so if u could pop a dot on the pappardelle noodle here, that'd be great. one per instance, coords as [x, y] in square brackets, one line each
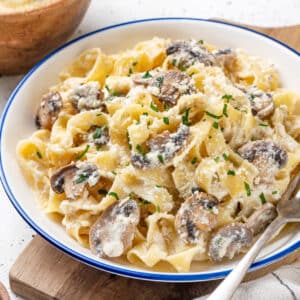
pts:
[173, 151]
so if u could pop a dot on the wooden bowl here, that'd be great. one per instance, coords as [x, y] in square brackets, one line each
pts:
[28, 36]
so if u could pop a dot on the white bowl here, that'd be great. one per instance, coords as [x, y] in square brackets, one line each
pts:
[18, 123]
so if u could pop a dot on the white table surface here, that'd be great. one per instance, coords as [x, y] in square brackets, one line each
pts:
[15, 234]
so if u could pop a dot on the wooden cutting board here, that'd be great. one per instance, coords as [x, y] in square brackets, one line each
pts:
[42, 272]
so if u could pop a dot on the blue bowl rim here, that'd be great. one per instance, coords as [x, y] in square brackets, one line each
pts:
[120, 270]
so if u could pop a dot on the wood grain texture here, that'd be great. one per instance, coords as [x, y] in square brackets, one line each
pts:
[42, 272]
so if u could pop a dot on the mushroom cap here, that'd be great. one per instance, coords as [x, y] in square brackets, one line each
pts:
[264, 154]
[226, 58]
[164, 145]
[47, 113]
[262, 104]
[261, 218]
[197, 215]
[72, 179]
[113, 232]
[168, 86]
[187, 53]
[228, 241]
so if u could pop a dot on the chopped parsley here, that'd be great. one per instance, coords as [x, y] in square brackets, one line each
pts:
[98, 115]
[139, 148]
[192, 73]
[82, 154]
[166, 107]
[113, 172]
[158, 208]
[225, 156]
[194, 160]
[185, 117]
[217, 159]
[262, 198]
[128, 140]
[159, 186]
[225, 110]
[183, 69]
[134, 63]
[102, 191]
[227, 97]
[231, 172]
[81, 178]
[213, 115]
[160, 81]
[145, 113]
[166, 120]
[153, 107]
[174, 62]
[98, 132]
[160, 158]
[215, 125]
[129, 72]
[107, 88]
[147, 75]
[98, 147]
[247, 188]
[200, 42]
[113, 194]
[38, 154]
[263, 125]
[142, 202]
[274, 192]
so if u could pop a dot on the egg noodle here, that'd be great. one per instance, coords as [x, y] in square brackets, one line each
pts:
[162, 125]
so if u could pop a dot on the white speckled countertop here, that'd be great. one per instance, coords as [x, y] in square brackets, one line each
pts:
[15, 234]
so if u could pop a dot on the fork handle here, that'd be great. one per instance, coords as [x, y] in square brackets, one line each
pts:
[228, 286]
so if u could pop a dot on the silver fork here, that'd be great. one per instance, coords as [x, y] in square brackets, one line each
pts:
[288, 209]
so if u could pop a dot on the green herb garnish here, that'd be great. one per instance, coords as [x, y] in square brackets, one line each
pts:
[38, 154]
[81, 178]
[145, 113]
[147, 75]
[227, 97]
[200, 42]
[174, 62]
[129, 72]
[166, 120]
[225, 110]
[128, 140]
[247, 188]
[231, 172]
[82, 154]
[160, 158]
[217, 159]
[213, 115]
[185, 117]
[225, 156]
[153, 107]
[215, 125]
[139, 148]
[113, 194]
[160, 81]
[158, 208]
[274, 192]
[263, 125]
[194, 160]
[262, 198]
[134, 63]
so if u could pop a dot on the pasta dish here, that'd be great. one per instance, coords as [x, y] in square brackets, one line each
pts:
[172, 151]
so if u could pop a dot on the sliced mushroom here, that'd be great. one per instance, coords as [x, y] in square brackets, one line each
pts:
[168, 86]
[163, 148]
[51, 105]
[266, 155]
[72, 179]
[196, 216]
[261, 218]
[229, 241]
[226, 58]
[87, 96]
[113, 232]
[262, 104]
[185, 53]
